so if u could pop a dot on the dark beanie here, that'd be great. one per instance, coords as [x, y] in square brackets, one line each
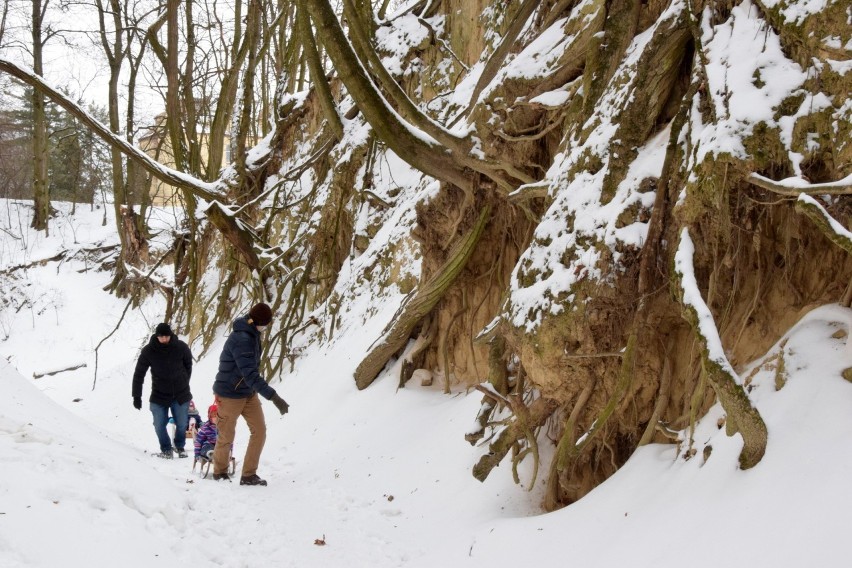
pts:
[163, 330]
[261, 314]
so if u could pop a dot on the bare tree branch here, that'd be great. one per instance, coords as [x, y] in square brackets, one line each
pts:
[796, 186]
[420, 151]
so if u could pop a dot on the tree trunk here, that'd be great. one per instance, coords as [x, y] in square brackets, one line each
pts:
[320, 81]
[41, 185]
[174, 116]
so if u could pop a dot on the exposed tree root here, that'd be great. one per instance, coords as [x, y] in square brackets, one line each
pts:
[742, 416]
[499, 381]
[443, 343]
[537, 413]
[661, 403]
[491, 402]
[414, 359]
[566, 441]
[522, 414]
[568, 453]
[234, 231]
[420, 303]
[828, 225]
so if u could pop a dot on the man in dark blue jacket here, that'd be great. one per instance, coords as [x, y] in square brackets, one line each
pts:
[170, 361]
[237, 385]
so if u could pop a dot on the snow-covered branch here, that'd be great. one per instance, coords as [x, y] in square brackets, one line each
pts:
[218, 211]
[795, 186]
[204, 190]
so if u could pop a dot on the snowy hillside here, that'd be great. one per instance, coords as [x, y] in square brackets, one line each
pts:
[382, 476]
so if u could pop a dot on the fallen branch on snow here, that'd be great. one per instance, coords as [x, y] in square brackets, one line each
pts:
[37, 375]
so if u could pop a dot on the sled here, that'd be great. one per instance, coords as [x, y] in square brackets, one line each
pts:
[204, 466]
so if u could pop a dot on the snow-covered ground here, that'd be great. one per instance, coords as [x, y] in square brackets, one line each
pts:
[382, 476]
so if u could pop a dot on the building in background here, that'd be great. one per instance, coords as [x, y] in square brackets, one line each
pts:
[157, 144]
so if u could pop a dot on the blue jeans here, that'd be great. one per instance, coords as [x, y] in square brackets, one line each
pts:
[180, 412]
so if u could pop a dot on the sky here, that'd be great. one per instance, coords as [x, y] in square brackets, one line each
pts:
[381, 476]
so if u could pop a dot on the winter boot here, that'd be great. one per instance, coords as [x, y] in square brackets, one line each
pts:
[252, 480]
[165, 454]
[182, 454]
[221, 477]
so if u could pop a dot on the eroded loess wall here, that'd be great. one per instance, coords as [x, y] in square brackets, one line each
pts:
[621, 123]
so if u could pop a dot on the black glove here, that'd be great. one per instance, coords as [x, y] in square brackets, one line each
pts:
[280, 403]
[137, 402]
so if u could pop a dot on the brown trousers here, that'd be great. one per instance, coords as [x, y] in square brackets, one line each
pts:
[229, 410]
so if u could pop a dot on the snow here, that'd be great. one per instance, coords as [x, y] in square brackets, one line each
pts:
[798, 11]
[840, 67]
[383, 475]
[796, 182]
[810, 104]
[566, 245]
[748, 78]
[580, 200]
[398, 39]
[552, 99]
[543, 54]
[749, 84]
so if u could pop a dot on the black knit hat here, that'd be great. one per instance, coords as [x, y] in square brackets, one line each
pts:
[163, 330]
[260, 314]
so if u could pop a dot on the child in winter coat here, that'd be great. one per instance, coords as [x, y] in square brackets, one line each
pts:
[205, 439]
[195, 420]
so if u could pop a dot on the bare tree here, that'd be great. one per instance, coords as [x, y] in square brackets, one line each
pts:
[116, 35]
[3, 17]
[41, 184]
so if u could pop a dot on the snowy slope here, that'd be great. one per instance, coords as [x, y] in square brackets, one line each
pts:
[383, 475]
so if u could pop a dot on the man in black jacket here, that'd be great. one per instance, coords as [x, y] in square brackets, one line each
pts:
[170, 361]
